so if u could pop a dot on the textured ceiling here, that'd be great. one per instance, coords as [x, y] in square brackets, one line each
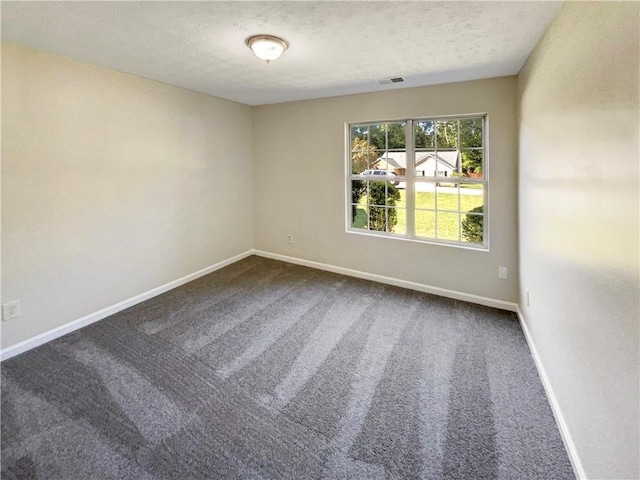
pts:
[336, 47]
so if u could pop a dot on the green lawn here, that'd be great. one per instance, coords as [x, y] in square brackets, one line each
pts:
[448, 222]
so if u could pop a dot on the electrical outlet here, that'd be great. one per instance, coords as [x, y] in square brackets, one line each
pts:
[11, 310]
[289, 238]
[503, 273]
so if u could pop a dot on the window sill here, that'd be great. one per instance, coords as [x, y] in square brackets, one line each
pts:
[439, 243]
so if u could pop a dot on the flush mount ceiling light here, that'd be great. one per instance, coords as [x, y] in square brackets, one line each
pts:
[266, 47]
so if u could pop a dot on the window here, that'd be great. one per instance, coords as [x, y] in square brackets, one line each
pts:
[419, 179]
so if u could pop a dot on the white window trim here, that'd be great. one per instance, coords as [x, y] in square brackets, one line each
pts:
[411, 179]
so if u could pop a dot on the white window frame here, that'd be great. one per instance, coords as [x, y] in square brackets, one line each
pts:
[410, 178]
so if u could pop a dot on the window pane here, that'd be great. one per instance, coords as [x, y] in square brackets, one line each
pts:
[447, 163]
[396, 135]
[448, 226]
[471, 132]
[402, 194]
[384, 161]
[377, 137]
[393, 194]
[472, 165]
[425, 196]
[447, 133]
[359, 137]
[359, 216]
[423, 134]
[398, 166]
[359, 192]
[377, 219]
[472, 228]
[447, 198]
[397, 220]
[378, 161]
[426, 164]
[425, 224]
[376, 193]
[471, 197]
[362, 161]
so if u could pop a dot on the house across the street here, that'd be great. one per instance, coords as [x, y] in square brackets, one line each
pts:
[428, 164]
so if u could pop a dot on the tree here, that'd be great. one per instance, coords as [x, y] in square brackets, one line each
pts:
[447, 134]
[472, 225]
[471, 161]
[362, 158]
[395, 135]
[358, 189]
[378, 196]
[471, 132]
[387, 136]
[471, 137]
[423, 134]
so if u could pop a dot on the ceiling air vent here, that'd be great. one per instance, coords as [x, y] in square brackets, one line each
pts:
[387, 81]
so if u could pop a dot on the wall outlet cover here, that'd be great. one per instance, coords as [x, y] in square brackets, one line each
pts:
[503, 273]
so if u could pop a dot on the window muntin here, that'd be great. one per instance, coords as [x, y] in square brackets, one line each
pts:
[431, 188]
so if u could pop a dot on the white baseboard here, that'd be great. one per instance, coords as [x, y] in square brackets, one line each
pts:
[420, 287]
[105, 312]
[574, 458]
[45, 337]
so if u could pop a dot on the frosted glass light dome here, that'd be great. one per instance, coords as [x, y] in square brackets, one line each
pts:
[267, 47]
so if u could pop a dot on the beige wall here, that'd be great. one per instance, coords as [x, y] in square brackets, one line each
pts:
[112, 185]
[299, 189]
[579, 225]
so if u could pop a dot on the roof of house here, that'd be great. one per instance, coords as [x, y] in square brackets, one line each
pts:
[399, 159]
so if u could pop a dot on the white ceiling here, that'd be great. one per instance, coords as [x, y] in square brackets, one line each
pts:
[336, 48]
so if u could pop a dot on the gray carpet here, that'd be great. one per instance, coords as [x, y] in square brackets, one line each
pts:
[269, 370]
